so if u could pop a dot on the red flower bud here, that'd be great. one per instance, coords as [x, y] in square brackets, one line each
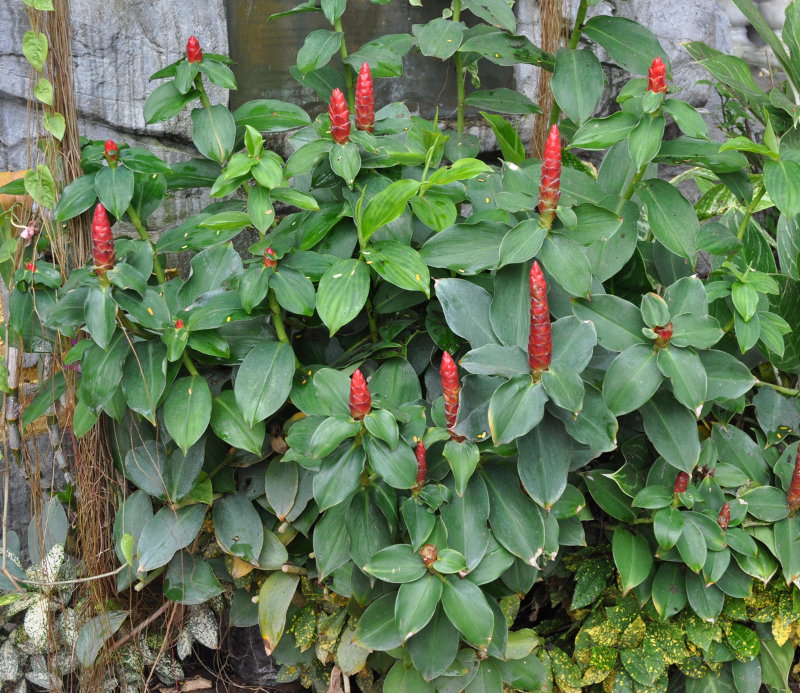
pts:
[724, 517]
[111, 150]
[193, 52]
[360, 399]
[540, 344]
[664, 332]
[448, 372]
[681, 482]
[657, 76]
[429, 554]
[30, 267]
[102, 242]
[422, 464]
[179, 325]
[549, 188]
[365, 100]
[340, 117]
[269, 258]
[793, 496]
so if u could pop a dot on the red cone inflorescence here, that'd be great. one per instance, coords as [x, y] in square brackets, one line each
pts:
[451, 387]
[429, 554]
[269, 258]
[540, 344]
[111, 150]
[793, 496]
[550, 186]
[422, 464]
[365, 100]
[179, 324]
[102, 241]
[193, 52]
[681, 482]
[657, 76]
[360, 399]
[724, 517]
[340, 117]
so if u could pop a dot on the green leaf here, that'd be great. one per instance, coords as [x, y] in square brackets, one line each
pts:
[435, 210]
[501, 100]
[35, 48]
[686, 373]
[100, 312]
[145, 377]
[228, 423]
[270, 115]
[686, 117]
[692, 547]
[632, 556]
[317, 50]
[342, 292]
[463, 459]
[396, 564]
[516, 522]
[43, 90]
[166, 532]
[509, 141]
[293, 290]
[386, 206]
[95, 632]
[672, 218]
[440, 38]
[741, 451]
[466, 308]
[165, 102]
[399, 265]
[264, 380]
[345, 161]
[673, 431]
[463, 169]
[494, 12]
[465, 519]
[543, 464]
[667, 526]
[218, 74]
[274, 600]
[780, 179]
[706, 600]
[669, 590]
[55, 124]
[76, 198]
[397, 467]
[331, 541]
[617, 322]
[577, 83]
[787, 548]
[416, 604]
[644, 142]
[467, 608]
[115, 189]
[515, 408]
[434, 649]
[608, 495]
[566, 262]
[190, 580]
[187, 410]
[631, 45]
[632, 378]
[376, 628]
[238, 528]
[522, 242]
[601, 133]
[465, 248]
[39, 184]
[214, 132]
[49, 391]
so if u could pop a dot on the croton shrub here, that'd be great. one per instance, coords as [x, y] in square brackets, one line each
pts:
[455, 423]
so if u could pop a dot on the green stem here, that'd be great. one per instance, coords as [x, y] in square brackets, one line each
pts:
[789, 391]
[574, 39]
[628, 194]
[348, 72]
[460, 75]
[198, 84]
[140, 228]
[751, 208]
[373, 325]
[188, 363]
[277, 317]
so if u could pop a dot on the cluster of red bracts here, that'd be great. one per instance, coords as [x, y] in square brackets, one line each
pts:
[111, 151]
[724, 517]
[540, 343]
[360, 399]
[657, 76]
[422, 464]
[451, 387]
[681, 483]
[339, 113]
[793, 495]
[193, 52]
[269, 258]
[550, 185]
[102, 242]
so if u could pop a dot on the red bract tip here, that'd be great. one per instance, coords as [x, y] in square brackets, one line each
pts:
[540, 344]
[179, 324]
[422, 464]
[102, 241]
[193, 52]
[657, 76]
[30, 267]
[429, 554]
[793, 495]
[365, 100]
[724, 517]
[681, 483]
[451, 387]
[111, 150]
[360, 399]
[340, 117]
[269, 258]
[550, 185]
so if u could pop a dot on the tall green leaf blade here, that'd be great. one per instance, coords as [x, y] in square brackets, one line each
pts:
[264, 380]
[187, 410]
[274, 600]
[342, 293]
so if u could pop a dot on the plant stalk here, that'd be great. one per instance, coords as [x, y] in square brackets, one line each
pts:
[348, 72]
[788, 391]
[751, 208]
[460, 75]
[188, 363]
[277, 317]
[142, 231]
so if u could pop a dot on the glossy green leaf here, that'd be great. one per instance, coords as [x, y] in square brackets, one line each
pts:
[632, 379]
[467, 608]
[672, 218]
[632, 556]
[274, 600]
[515, 408]
[264, 380]
[416, 604]
[577, 83]
[187, 410]
[114, 187]
[342, 292]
